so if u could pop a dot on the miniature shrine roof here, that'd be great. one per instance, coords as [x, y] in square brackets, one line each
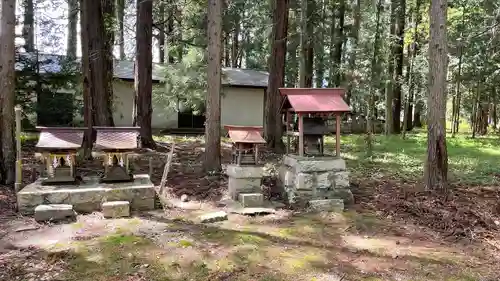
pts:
[64, 138]
[310, 100]
[245, 134]
[116, 138]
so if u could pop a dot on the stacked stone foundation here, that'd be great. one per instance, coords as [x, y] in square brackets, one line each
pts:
[312, 178]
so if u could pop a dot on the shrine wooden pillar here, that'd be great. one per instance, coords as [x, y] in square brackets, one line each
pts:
[301, 134]
[337, 135]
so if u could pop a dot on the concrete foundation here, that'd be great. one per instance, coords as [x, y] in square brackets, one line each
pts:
[88, 195]
[312, 178]
[244, 179]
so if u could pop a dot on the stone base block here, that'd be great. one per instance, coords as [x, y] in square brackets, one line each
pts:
[116, 209]
[326, 205]
[54, 212]
[244, 172]
[250, 200]
[242, 185]
[313, 178]
[89, 195]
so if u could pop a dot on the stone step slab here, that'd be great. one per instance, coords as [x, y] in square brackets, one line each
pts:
[213, 217]
[116, 209]
[54, 212]
[326, 205]
[251, 200]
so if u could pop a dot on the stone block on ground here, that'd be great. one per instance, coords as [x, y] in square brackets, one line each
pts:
[116, 209]
[213, 217]
[326, 205]
[253, 211]
[243, 185]
[251, 199]
[54, 212]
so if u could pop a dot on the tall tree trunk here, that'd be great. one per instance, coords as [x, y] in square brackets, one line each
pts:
[355, 40]
[398, 72]
[319, 48]
[72, 32]
[87, 98]
[143, 71]
[436, 166]
[307, 49]
[212, 161]
[226, 49]
[235, 41]
[457, 98]
[339, 41]
[100, 40]
[7, 89]
[412, 53]
[389, 90]
[276, 76]
[120, 17]
[374, 80]
[170, 32]
[29, 26]
[293, 44]
[161, 32]
[331, 50]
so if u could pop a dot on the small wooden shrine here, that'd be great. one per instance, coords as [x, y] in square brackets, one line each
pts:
[58, 147]
[246, 141]
[311, 108]
[114, 145]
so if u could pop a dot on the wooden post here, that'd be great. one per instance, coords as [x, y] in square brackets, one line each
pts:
[287, 132]
[256, 150]
[19, 167]
[301, 134]
[337, 136]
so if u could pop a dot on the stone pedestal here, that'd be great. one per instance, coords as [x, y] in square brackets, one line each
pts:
[244, 179]
[312, 178]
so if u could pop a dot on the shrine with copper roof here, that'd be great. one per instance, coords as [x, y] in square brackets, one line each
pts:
[308, 173]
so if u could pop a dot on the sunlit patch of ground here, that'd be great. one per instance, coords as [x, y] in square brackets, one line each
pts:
[298, 247]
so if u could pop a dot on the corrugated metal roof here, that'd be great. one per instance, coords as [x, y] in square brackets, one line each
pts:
[316, 99]
[124, 69]
[245, 134]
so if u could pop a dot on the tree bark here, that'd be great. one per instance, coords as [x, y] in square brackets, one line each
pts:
[235, 41]
[29, 26]
[293, 44]
[374, 80]
[339, 41]
[120, 15]
[161, 32]
[319, 49]
[436, 166]
[100, 40]
[72, 32]
[389, 90]
[87, 99]
[212, 161]
[307, 49]
[354, 51]
[143, 71]
[7, 89]
[273, 124]
[398, 72]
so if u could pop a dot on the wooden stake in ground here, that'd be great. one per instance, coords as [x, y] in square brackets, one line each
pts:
[436, 166]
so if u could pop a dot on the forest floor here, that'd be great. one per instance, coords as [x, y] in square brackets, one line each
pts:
[394, 231]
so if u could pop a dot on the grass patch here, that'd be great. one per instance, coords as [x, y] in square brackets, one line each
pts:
[471, 161]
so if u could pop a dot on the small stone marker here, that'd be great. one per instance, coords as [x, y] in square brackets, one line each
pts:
[251, 199]
[253, 211]
[327, 205]
[54, 212]
[116, 209]
[213, 217]
[184, 198]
